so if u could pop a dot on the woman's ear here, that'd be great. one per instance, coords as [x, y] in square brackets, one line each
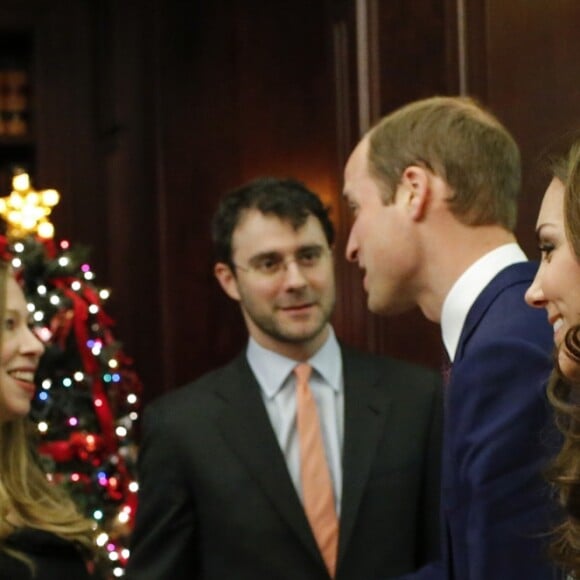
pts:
[227, 280]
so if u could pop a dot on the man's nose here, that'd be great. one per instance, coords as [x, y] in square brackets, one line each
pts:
[293, 274]
[351, 248]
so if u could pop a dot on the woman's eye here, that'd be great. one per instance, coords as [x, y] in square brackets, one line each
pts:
[546, 249]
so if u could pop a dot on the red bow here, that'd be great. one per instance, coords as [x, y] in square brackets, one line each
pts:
[5, 252]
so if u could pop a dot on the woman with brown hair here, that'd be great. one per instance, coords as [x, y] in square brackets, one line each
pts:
[42, 536]
[557, 289]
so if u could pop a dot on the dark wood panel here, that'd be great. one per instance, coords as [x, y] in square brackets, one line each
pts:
[67, 151]
[150, 110]
[417, 52]
[91, 144]
[124, 128]
[529, 68]
[197, 160]
[64, 151]
[410, 53]
[244, 91]
[413, 51]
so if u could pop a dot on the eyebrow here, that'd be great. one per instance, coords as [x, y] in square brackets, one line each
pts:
[272, 253]
[263, 255]
[541, 227]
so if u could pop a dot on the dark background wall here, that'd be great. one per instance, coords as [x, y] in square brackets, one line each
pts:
[146, 111]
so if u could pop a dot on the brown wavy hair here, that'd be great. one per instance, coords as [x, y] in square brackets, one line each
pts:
[564, 392]
[27, 498]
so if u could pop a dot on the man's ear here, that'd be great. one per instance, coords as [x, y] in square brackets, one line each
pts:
[227, 280]
[416, 183]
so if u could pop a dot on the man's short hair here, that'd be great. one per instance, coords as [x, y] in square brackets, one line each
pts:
[455, 138]
[288, 199]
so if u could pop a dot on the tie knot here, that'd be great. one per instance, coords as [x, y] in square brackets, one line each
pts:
[303, 372]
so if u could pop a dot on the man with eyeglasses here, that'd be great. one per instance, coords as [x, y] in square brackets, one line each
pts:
[302, 459]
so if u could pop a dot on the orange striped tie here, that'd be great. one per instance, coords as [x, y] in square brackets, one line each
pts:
[317, 487]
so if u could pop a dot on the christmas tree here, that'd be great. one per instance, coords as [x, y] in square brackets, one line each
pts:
[88, 392]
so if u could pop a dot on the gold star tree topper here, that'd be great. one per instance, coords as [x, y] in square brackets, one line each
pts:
[27, 210]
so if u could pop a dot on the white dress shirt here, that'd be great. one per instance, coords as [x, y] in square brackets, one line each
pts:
[276, 378]
[469, 286]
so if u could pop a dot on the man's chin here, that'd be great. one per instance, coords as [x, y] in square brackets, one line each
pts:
[385, 307]
[300, 336]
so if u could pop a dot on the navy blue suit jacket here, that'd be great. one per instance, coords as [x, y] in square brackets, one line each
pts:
[495, 503]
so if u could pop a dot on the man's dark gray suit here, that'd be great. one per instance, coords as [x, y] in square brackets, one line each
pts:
[217, 502]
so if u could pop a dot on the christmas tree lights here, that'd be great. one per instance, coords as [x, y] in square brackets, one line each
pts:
[88, 394]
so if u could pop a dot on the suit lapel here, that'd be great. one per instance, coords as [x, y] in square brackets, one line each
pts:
[365, 412]
[513, 274]
[246, 426]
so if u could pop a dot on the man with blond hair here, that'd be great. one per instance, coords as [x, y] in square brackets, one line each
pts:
[433, 187]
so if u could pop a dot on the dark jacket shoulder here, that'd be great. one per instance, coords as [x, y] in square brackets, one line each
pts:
[52, 557]
[388, 370]
[206, 391]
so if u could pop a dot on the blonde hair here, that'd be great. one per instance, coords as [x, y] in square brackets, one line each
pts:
[27, 498]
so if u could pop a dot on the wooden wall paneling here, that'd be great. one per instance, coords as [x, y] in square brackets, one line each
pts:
[348, 313]
[62, 92]
[16, 33]
[527, 70]
[354, 324]
[406, 54]
[67, 148]
[125, 129]
[416, 54]
[243, 91]
[198, 159]
[286, 104]
[100, 165]
[286, 120]
[472, 23]
[537, 88]
[413, 51]
[291, 130]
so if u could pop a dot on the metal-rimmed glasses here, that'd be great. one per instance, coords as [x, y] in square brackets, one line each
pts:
[274, 264]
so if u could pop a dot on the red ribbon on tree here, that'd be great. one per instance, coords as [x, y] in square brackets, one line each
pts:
[5, 252]
[90, 364]
[79, 445]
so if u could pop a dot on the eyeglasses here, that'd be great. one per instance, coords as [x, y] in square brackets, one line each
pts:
[273, 264]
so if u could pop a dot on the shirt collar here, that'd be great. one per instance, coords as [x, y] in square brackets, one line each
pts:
[469, 286]
[272, 369]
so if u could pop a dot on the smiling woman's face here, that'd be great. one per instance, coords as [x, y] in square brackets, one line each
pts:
[19, 355]
[556, 286]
